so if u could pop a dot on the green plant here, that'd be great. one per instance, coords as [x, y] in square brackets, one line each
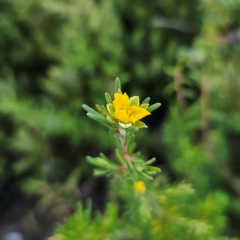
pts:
[143, 208]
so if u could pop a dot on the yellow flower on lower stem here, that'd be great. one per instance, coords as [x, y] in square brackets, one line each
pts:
[126, 111]
[140, 187]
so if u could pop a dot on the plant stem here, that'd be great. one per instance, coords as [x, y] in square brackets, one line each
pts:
[124, 145]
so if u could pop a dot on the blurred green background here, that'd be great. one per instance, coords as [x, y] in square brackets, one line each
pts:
[57, 55]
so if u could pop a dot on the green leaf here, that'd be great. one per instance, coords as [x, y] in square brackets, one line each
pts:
[140, 124]
[112, 119]
[144, 106]
[137, 160]
[119, 157]
[95, 161]
[134, 101]
[149, 161]
[146, 100]
[108, 98]
[110, 108]
[102, 110]
[153, 107]
[97, 117]
[100, 172]
[129, 138]
[102, 155]
[131, 147]
[108, 160]
[117, 85]
[105, 112]
[130, 169]
[100, 162]
[145, 175]
[152, 170]
[131, 130]
[116, 139]
[89, 109]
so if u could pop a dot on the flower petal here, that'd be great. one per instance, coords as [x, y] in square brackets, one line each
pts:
[136, 113]
[122, 116]
[121, 101]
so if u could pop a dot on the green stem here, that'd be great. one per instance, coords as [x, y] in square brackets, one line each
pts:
[124, 145]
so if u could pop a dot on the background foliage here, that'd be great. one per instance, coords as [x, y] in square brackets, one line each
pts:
[55, 56]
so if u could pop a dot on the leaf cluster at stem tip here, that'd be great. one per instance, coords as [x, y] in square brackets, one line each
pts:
[122, 117]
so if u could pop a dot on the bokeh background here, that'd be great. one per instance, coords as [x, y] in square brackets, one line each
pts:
[57, 55]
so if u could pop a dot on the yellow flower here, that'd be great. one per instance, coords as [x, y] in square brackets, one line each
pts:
[140, 186]
[127, 112]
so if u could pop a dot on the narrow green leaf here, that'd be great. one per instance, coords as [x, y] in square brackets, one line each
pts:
[137, 160]
[145, 175]
[100, 172]
[153, 107]
[116, 139]
[95, 161]
[89, 109]
[146, 100]
[99, 109]
[132, 130]
[140, 124]
[112, 119]
[131, 148]
[151, 168]
[150, 161]
[100, 162]
[129, 138]
[102, 155]
[104, 111]
[108, 98]
[119, 157]
[117, 85]
[99, 118]
[108, 160]
[130, 169]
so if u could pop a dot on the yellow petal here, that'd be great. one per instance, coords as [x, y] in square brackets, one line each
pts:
[140, 186]
[122, 116]
[136, 113]
[121, 101]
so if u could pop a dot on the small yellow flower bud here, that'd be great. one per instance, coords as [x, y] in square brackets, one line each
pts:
[140, 186]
